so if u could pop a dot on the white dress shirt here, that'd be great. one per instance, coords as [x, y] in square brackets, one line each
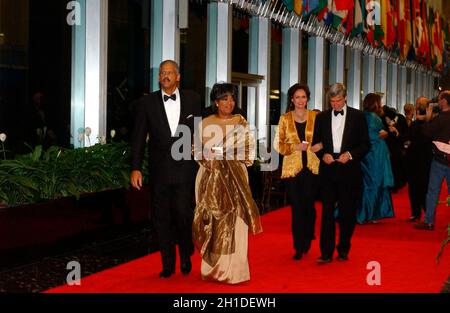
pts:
[337, 128]
[173, 109]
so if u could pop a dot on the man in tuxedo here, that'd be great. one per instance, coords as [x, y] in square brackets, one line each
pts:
[344, 136]
[397, 127]
[167, 116]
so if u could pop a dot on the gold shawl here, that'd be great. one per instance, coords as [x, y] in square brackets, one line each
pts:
[224, 194]
[286, 137]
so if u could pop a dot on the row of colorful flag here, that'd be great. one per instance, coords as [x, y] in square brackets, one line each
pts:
[408, 28]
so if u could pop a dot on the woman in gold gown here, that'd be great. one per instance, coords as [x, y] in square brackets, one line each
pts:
[296, 140]
[225, 210]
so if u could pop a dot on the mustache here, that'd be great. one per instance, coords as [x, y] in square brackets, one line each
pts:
[166, 80]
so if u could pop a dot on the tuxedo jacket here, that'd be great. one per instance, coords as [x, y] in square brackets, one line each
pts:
[151, 119]
[355, 140]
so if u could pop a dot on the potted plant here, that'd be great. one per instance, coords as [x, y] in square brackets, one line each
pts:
[446, 288]
[59, 172]
[49, 195]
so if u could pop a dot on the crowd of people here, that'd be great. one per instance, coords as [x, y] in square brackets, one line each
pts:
[349, 159]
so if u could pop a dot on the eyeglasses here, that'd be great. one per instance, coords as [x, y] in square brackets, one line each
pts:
[168, 73]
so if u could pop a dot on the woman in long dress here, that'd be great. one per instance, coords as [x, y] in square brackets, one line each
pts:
[225, 210]
[376, 167]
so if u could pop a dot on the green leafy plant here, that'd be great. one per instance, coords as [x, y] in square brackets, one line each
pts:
[446, 288]
[444, 243]
[58, 172]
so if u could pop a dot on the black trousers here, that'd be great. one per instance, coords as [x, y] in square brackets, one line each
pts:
[338, 191]
[301, 192]
[398, 167]
[417, 191]
[172, 214]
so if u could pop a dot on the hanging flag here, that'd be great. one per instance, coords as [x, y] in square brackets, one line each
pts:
[388, 23]
[439, 36]
[328, 13]
[322, 9]
[289, 4]
[437, 41]
[385, 16]
[423, 48]
[347, 24]
[358, 21]
[431, 30]
[395, 19]
[408, 28]
[298, 7]
[445, 56]
[428, 43]
[311, 6]
[344, 4]
[402, 26]
[339, 17]
[416, 21]
[392, 24]
[369, 22]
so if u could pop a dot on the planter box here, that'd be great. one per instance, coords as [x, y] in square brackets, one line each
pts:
[54, 221]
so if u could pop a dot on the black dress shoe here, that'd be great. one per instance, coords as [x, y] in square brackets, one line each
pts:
[413, 218]
[424, 226]
[323, 260]
[186, 267]
[166, 273]
[297, 256]
[342, 257]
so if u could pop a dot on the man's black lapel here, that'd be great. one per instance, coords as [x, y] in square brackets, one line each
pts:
[347, 128]
[183, 108]
[329, 130]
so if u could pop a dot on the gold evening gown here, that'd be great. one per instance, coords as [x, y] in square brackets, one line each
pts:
[225, 210]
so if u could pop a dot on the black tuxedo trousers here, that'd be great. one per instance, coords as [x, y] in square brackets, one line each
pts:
[341, 184]
[340, 199]
[172, 214]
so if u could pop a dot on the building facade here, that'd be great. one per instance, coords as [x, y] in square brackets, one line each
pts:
[70, 65]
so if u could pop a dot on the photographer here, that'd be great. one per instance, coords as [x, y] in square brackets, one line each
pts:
[437, 129]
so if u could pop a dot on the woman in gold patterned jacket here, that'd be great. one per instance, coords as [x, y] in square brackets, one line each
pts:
[225, 210]
[295, 140]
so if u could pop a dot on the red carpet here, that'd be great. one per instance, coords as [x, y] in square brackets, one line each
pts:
[407, 259]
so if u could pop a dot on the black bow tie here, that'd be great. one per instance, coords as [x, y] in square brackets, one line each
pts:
[173, 97]
[336, 113]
